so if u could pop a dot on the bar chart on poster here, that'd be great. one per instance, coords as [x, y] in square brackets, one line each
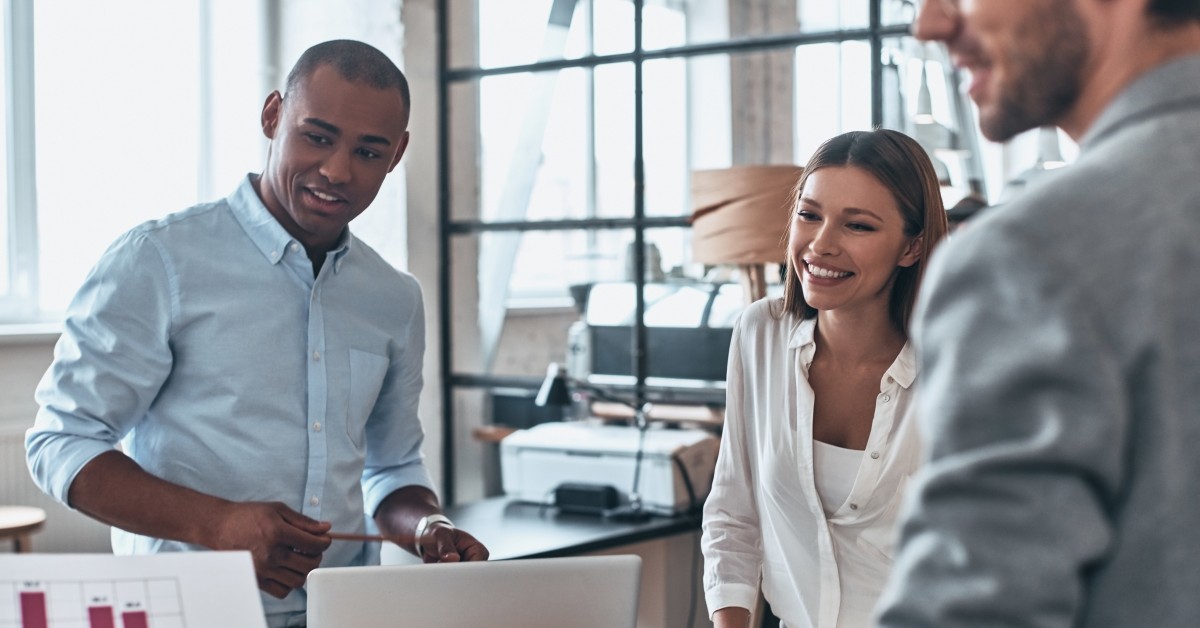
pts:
[91, 604]
[182, 590]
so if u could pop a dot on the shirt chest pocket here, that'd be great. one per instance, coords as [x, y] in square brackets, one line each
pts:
[367, 373]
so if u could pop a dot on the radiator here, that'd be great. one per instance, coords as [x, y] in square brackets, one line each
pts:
[65, 529]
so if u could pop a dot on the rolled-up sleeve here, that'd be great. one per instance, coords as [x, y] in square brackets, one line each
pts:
[109, 363]
[730, 540]
[1024, 410]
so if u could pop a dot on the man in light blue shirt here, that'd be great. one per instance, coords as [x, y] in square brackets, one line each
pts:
[258, 364]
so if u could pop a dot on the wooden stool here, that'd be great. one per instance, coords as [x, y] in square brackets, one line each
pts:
[19, 523]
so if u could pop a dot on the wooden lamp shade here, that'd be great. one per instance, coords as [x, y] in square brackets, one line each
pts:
[739, 216]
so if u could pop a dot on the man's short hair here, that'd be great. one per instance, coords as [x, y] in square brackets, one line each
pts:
[353, 61]
[1170, 12]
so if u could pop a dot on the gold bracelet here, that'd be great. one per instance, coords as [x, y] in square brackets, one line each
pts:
[423, 527]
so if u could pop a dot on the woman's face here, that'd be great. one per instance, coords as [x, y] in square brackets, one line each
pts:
[847, 240]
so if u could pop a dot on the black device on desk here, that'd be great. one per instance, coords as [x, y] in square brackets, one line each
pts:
[689, 325]
[588, 499]
[603, 499]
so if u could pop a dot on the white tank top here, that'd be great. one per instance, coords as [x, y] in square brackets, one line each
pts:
[835, 469]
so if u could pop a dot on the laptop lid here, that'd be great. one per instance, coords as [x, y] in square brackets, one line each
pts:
[581, 591]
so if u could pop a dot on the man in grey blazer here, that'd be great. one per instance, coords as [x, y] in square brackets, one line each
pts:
[1059, 337]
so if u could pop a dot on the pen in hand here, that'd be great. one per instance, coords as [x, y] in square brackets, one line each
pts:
[349, 536]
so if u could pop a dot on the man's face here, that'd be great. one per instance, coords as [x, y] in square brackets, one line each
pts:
[332, 143]
[1026, 58]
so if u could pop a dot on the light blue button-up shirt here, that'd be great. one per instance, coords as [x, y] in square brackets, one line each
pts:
[204, 345]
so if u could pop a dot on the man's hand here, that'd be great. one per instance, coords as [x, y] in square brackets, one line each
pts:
[398, 517]
[284, 544]
[444, 544]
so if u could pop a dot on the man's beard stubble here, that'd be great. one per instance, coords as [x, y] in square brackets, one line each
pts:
[1047, 69]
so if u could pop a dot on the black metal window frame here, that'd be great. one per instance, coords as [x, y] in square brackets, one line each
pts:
[874, 33]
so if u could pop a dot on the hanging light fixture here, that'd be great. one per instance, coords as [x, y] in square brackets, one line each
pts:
[1049, 157]
[934, 136]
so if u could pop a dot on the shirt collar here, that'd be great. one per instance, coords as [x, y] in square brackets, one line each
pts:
[1173, 84]
[267, 234]
[802, 333]
[903, 368]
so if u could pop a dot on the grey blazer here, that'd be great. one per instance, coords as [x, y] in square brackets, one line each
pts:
[1059, 343]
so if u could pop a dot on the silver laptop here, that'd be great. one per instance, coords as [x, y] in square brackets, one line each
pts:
[579, 592]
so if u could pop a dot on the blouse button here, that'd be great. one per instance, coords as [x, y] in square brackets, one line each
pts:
[875, 455]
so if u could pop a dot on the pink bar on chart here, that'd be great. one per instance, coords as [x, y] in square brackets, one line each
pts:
[135, 619]
[33, 610]
[101, 617]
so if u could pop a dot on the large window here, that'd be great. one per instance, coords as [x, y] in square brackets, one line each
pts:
[121, 111]
[572, 131]
[115, 112]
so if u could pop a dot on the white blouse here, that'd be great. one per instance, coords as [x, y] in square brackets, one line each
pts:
[764, 517]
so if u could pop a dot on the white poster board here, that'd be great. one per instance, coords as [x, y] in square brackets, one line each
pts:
[174, 590]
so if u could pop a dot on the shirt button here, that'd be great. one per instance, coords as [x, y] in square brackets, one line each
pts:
[890, 380]
[317, 357]
[314, 500]
[887, 398]
[852, 506]
[874, 454]
[317, 426]
[295, 246]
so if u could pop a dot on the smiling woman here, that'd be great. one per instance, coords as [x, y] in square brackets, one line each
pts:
[822, 381]
[847, 240]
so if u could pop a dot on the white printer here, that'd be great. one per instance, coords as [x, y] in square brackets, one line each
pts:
[676, 468]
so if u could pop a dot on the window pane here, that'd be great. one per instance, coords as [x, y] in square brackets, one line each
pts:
[785, 105]
[517, 33]
[897, 12]
[669, 24]
[822, 15]
[670, 134]
[535, 145]
[833, 93]
[5, 251]
[696, 119]
[116, 127]
[672, 253]
[552, 145]
[235, 92]
[535, 268]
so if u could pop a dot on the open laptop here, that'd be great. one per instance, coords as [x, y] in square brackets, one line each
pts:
[580, 592]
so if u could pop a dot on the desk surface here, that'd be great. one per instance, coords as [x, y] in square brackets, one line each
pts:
[513, 529]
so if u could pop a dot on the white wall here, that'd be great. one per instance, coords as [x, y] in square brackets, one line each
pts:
[23, 360]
